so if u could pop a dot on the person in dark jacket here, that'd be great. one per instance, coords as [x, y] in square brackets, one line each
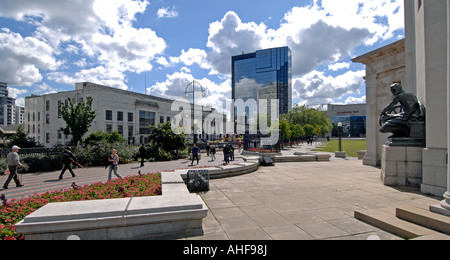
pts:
[195, 152]
[213, 153]
[142, 154]
[226, 154]
[67, 159]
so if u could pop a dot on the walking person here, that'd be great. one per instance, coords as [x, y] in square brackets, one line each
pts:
[213, 153]
[13, 161]
[195, 154]
[114, 160]
[67, 159]
[208, 149]
[142, 153]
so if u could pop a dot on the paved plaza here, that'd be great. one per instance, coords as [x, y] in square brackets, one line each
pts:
[295, 201]
[48, 181]
[289, 201]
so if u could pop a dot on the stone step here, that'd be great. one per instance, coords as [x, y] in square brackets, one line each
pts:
[386, 220]
[425, 218]
[435, 236]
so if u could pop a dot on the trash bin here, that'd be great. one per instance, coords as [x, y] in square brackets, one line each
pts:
[198, 180]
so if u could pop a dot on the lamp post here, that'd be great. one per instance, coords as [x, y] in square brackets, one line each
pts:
[192, 88]
[340, 154]
[340, 136]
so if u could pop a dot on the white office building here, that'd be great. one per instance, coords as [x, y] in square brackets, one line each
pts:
[126, 112]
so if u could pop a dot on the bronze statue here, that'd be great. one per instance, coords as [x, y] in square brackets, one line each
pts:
[410, 110]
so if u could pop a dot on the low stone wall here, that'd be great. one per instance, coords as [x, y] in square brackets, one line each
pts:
[176, 213]
[226, 171]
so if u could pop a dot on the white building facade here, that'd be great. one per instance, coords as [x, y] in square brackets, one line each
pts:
[128, 113]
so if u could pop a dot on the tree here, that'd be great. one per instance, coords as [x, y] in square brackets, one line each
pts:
[99, 136]
[309, 117]
[285, 129]
[78, 118]
[164, 140]
[21, 139]
[297, 132]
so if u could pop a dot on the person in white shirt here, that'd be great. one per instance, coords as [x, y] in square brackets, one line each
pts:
[13, 161]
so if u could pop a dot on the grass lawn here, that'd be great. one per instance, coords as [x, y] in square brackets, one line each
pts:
[351, 147]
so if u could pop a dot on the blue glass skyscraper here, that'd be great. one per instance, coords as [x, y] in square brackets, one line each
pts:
[265, 74]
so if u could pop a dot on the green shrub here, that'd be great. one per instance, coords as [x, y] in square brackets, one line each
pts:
[97, 155]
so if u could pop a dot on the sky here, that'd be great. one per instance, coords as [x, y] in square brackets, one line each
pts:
[158, 47]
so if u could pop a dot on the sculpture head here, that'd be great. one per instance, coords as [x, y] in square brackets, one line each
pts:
[396, 88]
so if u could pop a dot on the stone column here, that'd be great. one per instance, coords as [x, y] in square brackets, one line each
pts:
[446, 203]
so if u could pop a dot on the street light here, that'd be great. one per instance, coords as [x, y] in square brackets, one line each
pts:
[340, 154]
[192, 88]
[340, 136]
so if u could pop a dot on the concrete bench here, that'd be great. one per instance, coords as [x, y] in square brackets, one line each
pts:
[176, 213]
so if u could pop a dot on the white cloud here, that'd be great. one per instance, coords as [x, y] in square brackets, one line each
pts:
[101, 75]
[14, 92]
[176, 83]
[339, 66]
[324, 32]
[355, 100]
[315, 88]
[165, 12]
[100, 29]
[230, 37]
[23, 58]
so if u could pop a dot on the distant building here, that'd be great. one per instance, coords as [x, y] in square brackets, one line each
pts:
[126, 112]
[268, 71]
[352, 117]
[7, 108]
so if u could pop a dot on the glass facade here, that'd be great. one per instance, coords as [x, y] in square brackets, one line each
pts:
[269, 70]
[146, 119]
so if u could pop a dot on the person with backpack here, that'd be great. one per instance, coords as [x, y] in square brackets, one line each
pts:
[67, 159]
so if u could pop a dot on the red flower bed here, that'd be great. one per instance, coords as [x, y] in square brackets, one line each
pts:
[136, 186]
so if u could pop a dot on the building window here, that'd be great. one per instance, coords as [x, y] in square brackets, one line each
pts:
[47, 119]
[109, 115]
[120, 130]
[130, 131]
[146, 119]
[109, 128]
[130, 117]
[168, 119]
[59, 108]
[120, 116]
[47, 105]
[161, 120]
[47, 138]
